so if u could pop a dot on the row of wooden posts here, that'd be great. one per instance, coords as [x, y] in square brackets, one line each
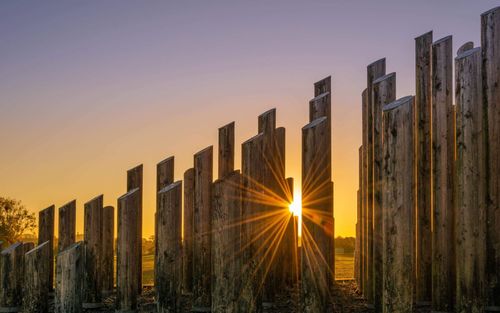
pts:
[428, 228]
[239, 246]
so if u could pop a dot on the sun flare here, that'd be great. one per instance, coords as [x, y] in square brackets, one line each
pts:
[295, 206]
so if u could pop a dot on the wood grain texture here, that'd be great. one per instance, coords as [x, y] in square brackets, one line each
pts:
[46, 233]
[36, 285]
[203, 173]
[69, 279]
[168, 264]
[108, 251]
[135, 180]
[423, 110]
[226, 150]
[470, 220]
[490, 43]
[364, 197]
[443, 149]
[67, 225]
[187, 249]
[11, 277]
[398, 203]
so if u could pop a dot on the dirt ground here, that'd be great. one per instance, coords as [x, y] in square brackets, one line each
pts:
[345, 299]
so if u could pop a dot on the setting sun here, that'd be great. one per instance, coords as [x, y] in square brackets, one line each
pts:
[295, 206]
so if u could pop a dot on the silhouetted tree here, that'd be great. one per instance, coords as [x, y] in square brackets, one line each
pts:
[15, 220]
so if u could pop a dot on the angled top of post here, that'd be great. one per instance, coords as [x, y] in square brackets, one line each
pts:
[267, 121]
[12, 247]
[68, 204]
[444, 39]
[38, 247]
[320, 96]
[467, 53]
[96, 198]
[205, 150]
[170, 187]
[384, 77]
[466, 46]
[228, 176]
[315, 123]
[130, 192]
[51, 207]
[169, 159]
[322, 86]
[71, 247]
[491, 11]
[424, 35]
[399, 102]
[376, 63]
[252, 139]
[227, 125]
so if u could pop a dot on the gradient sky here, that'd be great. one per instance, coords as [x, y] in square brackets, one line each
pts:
[89, 89]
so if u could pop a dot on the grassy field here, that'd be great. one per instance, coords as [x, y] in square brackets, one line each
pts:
[344, 267]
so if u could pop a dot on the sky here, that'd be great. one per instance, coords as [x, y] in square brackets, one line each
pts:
[90, 89]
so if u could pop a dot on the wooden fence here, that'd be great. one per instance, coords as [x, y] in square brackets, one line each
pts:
[239, 250]
[428, 228]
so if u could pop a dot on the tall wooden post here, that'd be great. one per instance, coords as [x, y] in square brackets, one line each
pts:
[69, 279]
[226, 149]
[226, 243]
[203, 171]
[364, 197]
[251, 162]
[359, 236]
[108, 250]
[164, 177]
[93, 248]
[127, 287]
[399, 204]
[357, 242]
[169, 257]
[383, 92]
[374, 71]
[470, 217]
[67, 225]
[36, 282]
[135, 180]
[46, 233]
[423, 110]
[490, 43]
[317, 241]
[187, 249]
[443, 155]
[11, 278]
[291, 268]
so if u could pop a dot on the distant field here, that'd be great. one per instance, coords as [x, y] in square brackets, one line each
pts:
[344, 267]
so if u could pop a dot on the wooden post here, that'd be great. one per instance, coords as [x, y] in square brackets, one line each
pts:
[226, 150]
[11, 278]
[251, 163]
[364, 197]
[322, 86]
[36, 282]
[466, 46]
[470, 217]
[374, 71]
[187, 249]
[291, 268]
[383, 92]
[443, 260]
[226, 243]
[203, 171]
[93, 248]
[359, 237]
[67, 225]
[169, 258]
[490, 43]
[46, 233]
[134, 180]
[267, 122]
[317, 241]
[127, 287]
[399, 204]
[423, 110]
[69, 279]
[108, 250]
[357, 242]
[164, 177]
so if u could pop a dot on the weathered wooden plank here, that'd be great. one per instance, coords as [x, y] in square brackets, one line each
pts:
[290, 260]
[226, 150]
[490, 43]
[67, 225]
[443, 149]
[226, 232]
[267, 122]
[383, 92]
[364, 197]
[203, 173]
[11, 278]
[36, 282]
[251, 162]
[423, 110]
[168, 265]
[108, 252]
[69, 279]
[135, 180]
[93, 249]
[357, 242]
[127, 287]
[46, 233]
[373, 71]
[187, 249]
[470, 219]
[398, 203]
[323, 86]
[359, 237]
[317, 241]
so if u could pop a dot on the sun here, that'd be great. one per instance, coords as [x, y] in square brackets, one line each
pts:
[295, 206]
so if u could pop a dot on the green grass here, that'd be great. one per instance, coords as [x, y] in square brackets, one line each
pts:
[344, 267]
